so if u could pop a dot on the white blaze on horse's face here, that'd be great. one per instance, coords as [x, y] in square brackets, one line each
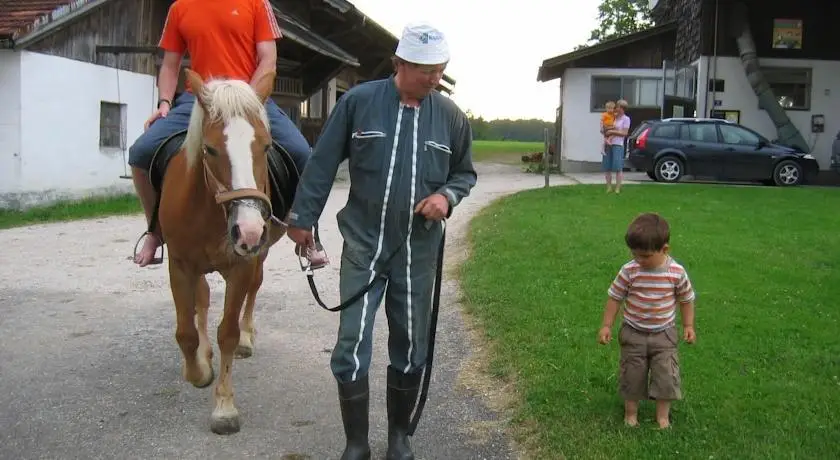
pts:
[246, 225]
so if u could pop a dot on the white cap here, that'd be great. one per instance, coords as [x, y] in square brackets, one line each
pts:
[423, 44]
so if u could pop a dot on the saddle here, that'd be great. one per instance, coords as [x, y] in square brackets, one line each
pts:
[283, 174]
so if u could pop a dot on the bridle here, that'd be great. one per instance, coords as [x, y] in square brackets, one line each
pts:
[224, 196]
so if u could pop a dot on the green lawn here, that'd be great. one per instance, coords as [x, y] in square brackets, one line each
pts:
[509, 152]
[763, 379]
[72, 210]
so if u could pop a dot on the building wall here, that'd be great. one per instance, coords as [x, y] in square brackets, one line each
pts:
[581, 139]
[10, 160]
[117, 22]
[739, 95]
[60, 152]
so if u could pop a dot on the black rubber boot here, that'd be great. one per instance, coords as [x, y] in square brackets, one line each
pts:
[402, 395]
[354, 398]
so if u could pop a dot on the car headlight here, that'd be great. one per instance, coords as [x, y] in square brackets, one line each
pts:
[808, 156]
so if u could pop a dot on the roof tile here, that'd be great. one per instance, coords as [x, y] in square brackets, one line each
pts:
[17, 17]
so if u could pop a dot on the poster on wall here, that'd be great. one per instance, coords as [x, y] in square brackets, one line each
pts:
[678, 111]
[732, 116]
[787, 34]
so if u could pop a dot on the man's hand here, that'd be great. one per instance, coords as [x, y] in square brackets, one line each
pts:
[162, 112]
[301, 236]
[433, 207]
[688, 334]
[604, 335]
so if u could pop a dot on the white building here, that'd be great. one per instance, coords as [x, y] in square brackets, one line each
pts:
[65, 125]
[710, 79]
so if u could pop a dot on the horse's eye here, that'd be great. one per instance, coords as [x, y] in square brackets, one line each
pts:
[210, 151]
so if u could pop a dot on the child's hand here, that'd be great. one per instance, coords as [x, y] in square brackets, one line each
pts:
[688, 334]
[604, 335]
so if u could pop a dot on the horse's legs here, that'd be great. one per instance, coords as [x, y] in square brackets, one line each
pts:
[225, 419]
[247, 332]
[202, 306]
[183, 284]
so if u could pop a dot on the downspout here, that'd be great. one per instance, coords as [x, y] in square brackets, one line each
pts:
[787, 132]
[714, 65]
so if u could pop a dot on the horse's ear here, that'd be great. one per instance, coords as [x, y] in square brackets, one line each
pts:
[265, 86]
[196, 84]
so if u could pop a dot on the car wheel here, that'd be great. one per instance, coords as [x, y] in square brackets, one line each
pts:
[787, 173]
[668, 169]
[651, 175]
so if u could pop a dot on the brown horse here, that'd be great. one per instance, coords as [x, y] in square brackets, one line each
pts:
[215, 215]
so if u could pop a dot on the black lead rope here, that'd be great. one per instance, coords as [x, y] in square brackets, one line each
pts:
[427, 371]
[356, 296]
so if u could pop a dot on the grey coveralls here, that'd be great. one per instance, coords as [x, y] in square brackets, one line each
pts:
[398, 155]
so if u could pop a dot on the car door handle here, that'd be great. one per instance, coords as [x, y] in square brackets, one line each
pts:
[690, 146]
[730, 149]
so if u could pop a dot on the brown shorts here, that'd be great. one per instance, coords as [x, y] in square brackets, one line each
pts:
[649, 357]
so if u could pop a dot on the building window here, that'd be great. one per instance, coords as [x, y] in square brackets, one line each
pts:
[791, 86]
[639, 92]
[112, 125]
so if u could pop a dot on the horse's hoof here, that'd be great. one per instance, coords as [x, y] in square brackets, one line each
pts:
[206, 384]
[225, 425]
[243, 352]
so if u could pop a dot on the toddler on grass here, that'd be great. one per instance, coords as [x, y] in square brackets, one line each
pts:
[650, 286]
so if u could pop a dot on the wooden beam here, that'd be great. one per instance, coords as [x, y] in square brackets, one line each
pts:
[379, 68]
[310, 90]
[282, 63]
[128, 49]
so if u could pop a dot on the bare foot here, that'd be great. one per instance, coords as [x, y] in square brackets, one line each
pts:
[631, 420]
[664, 423]
[147, 254]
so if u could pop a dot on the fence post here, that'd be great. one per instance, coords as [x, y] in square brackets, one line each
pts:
[546, 163]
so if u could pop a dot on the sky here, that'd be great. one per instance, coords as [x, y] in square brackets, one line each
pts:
[495, 59]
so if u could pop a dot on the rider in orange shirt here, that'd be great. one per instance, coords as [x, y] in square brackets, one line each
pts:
[232, 39]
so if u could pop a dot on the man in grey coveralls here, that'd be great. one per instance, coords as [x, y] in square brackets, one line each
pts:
[409, 150]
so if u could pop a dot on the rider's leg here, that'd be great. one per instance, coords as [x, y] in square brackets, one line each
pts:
[286, 134]
[140, 158]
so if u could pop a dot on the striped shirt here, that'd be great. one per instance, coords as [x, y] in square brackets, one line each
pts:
[650, 296]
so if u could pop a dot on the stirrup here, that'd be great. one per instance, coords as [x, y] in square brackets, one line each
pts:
[306, 264]
[155, 260]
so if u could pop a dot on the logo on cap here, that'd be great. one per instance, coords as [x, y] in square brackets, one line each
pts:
[425, 37]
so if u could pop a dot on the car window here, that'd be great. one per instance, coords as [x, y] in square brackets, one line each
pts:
[639, 129]
[737, 135]
[668, 131]
[700, 132]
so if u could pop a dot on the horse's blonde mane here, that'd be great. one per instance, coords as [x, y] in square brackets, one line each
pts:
[225, 99]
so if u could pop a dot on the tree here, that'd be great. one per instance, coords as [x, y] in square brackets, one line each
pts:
[618, 18]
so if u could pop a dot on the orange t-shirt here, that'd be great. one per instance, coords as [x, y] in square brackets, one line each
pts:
[608, 119]
[220, 36]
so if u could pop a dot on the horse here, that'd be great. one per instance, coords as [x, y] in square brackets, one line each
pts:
[215, 215]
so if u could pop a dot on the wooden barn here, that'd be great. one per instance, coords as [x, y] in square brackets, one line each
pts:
[78, 80]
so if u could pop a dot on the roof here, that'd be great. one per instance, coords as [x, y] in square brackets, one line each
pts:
[306, 37]
[18, 17]
[553, 68]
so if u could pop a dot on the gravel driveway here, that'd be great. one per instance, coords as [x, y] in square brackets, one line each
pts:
[90, 367]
